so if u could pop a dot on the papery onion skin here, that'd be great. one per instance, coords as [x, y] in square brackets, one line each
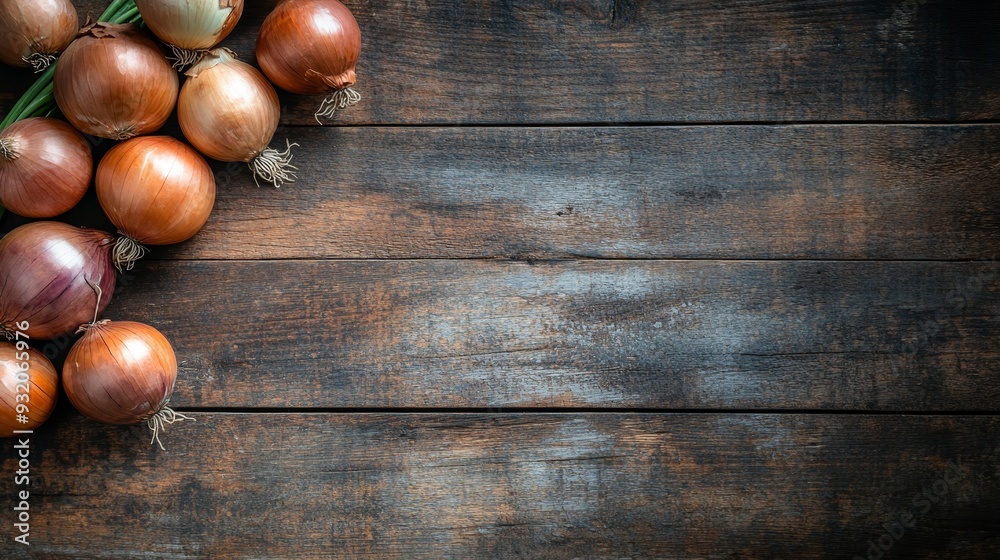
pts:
[42, 388]
[48, 271]
[191, 24]
[114, 82]
[33, 32]
[120, 372]
[155, 189]
[227, 109]
[45, 167]
[309, 46]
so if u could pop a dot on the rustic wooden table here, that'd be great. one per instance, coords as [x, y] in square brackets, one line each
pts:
[579, 279]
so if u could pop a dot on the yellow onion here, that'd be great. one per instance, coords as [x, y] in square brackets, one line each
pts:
[45, 167]
[34, 32]
[122, 372]
[190, 27]
[229, 112]
[52, 276]
[312, 47]
[29, 387]
[114, 82]
[156, 190]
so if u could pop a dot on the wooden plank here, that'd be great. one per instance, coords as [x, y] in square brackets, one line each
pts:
[513, 486]
[703, 334]
[527, 61]
[858, 192]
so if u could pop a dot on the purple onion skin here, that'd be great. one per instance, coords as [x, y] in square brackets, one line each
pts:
[46, 271]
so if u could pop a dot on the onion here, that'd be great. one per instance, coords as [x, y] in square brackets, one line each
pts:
[312, 47]
[114, 82]
[34, 32]
[52, 276]
[230, 112]
[190, 27]
[122, 372]
[45, 167]
[156, 190]
[29, 387]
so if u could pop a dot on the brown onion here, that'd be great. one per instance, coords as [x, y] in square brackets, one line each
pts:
[114, 82]
[53, 276]
[229, 111]
[122, 372]
[190, 27]
[312, 47]
[45, 167]
[156, 190]
[29, 388]
[34, 32]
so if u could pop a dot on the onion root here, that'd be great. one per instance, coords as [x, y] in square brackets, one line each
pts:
[273, 166]
[340, 99]
[125, 132]
[8, 149]
[39, 61]
[158, 421]
[126, 251]
[184, 57]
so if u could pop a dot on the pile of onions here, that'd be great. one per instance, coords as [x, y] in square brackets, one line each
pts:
[29, 387]
[34, 32]
[52, 277]
[156, 190]
[122, 372]
[229, 112]
[312, 47]
[114, 82]
[190, 27]
[45, 167]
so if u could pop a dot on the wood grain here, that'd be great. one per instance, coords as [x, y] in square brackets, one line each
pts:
[513, 486]
[855, 192]
[594, 61]
[677, 334]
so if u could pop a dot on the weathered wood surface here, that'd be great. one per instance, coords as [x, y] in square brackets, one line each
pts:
[677, 334]
[415, 267]
[855, 192]
[595, 61]
[515, 486]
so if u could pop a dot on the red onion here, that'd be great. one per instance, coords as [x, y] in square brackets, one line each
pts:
[53, 276]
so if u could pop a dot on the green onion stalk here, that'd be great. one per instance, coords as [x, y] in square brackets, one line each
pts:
[39, 100]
